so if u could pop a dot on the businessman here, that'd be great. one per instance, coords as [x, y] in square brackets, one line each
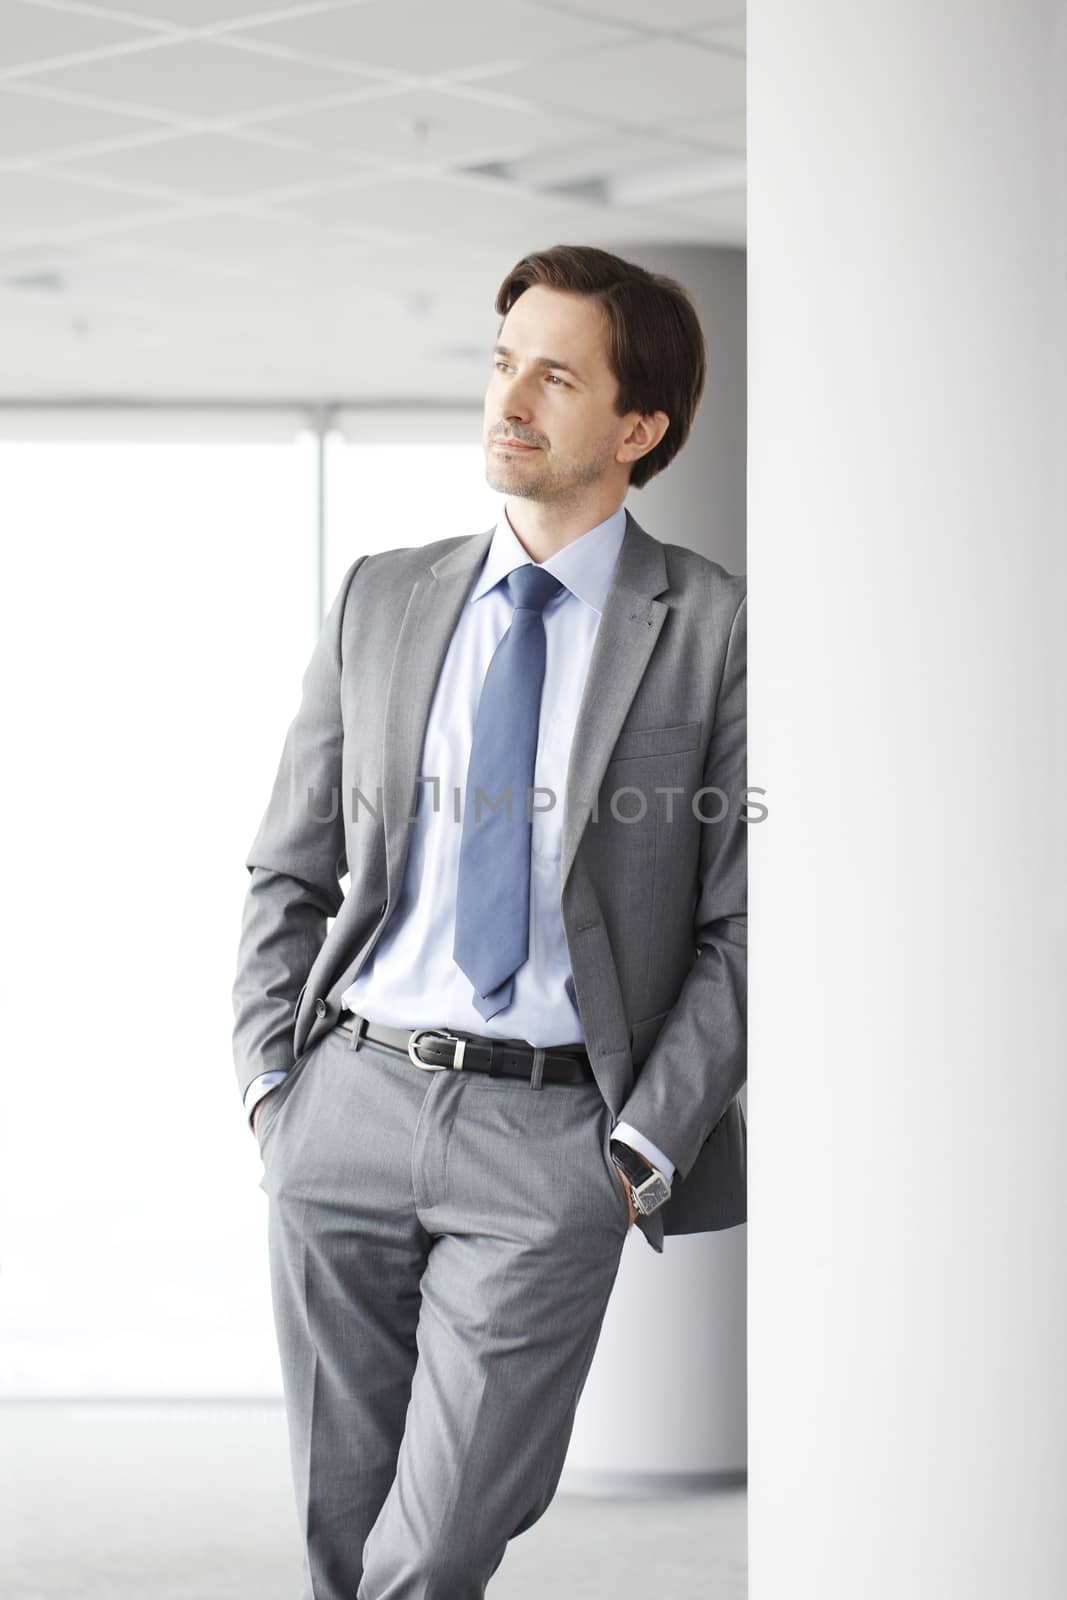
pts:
[524, 1030]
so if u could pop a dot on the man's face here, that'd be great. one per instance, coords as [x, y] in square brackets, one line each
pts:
[552, 390]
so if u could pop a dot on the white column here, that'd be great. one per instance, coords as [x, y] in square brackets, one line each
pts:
[907, 714]
[670, 1366]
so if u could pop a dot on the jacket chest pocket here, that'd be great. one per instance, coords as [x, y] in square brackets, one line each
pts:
[669, 741]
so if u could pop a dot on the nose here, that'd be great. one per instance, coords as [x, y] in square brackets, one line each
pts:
[515, 399]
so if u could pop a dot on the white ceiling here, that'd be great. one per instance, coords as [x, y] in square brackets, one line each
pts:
[253, 199]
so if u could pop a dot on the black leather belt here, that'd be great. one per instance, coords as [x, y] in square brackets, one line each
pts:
[440, 1049]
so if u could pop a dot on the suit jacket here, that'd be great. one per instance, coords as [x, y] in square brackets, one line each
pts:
[653, 900]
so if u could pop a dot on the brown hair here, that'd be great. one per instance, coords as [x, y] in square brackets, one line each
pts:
[655, 341]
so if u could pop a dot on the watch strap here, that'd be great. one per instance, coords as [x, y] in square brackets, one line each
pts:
[638, 1170]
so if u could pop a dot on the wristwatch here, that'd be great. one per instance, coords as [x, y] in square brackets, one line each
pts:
[647, 1184]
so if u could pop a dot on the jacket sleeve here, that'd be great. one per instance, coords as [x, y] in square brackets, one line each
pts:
[296, 862]
[699, 1060]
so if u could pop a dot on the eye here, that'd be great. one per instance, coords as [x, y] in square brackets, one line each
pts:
[500, 364]
[562, 382]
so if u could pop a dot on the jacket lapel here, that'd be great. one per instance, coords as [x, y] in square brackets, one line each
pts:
[625, 640]
[430, 619]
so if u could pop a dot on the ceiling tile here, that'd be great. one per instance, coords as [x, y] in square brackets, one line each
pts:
[728, 35]
[646, 84]
[446, 292]
[203, 78]
[35, 259]
[223, 236]
[36, 203]
[97, 274]
[213, 164]
[709, 219]
[314, 268]
[489, 215]
[411, 36]
[208, 13]
[259, 247]
[82, 295]
[33, 34]
[246, 308]
[667, 14]
[727, 132]
[144, 257]
[84, 360]
[31, 125]
[405, 269]
[607, 156]
[430, 125]
[483, 210]
[79, 336]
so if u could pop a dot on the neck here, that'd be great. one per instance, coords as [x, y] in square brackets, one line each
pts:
[542, 529]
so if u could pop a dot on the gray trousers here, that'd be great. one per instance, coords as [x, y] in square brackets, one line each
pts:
[442, 1249]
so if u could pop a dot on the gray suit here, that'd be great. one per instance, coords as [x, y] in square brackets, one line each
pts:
[654, 911]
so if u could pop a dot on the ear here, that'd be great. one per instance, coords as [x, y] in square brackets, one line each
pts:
[645, 432]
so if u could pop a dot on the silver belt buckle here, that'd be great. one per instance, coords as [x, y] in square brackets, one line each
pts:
[435, 1066]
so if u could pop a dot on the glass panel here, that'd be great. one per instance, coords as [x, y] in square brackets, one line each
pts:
[159, 607]
[384, 493]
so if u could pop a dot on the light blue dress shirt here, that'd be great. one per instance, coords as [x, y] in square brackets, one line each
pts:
[418, 936]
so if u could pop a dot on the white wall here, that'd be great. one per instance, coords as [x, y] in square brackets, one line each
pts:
[907, 703]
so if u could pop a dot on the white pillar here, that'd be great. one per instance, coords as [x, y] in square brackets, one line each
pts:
[670, 1366]
[907, 714]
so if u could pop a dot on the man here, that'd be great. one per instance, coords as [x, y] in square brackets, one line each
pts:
[525, 1028]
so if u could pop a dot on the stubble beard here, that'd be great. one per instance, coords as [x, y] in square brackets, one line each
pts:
[545, 482]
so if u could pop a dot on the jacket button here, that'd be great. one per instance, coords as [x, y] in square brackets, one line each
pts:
[320, 1008]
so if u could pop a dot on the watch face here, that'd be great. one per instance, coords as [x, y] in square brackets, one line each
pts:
[653, 1193]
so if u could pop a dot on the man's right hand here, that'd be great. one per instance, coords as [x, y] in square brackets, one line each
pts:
[257, 1108]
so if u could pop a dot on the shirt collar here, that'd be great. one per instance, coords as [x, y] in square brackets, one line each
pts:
[585, 566]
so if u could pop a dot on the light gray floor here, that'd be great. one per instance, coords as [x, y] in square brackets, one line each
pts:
[171, 1501]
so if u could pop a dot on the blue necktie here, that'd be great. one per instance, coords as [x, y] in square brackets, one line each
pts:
[493, 893]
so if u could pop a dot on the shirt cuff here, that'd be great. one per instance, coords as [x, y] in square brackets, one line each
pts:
[629, 1135]
[259, 1087]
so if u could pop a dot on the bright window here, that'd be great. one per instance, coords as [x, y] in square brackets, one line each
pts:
[160, 603]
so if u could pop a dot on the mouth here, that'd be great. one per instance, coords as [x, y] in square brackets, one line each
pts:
[513, 445]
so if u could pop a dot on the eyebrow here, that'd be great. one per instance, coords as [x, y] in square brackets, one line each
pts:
[542, 361]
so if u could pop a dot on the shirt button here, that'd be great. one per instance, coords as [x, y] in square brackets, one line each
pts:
[320, 1008]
